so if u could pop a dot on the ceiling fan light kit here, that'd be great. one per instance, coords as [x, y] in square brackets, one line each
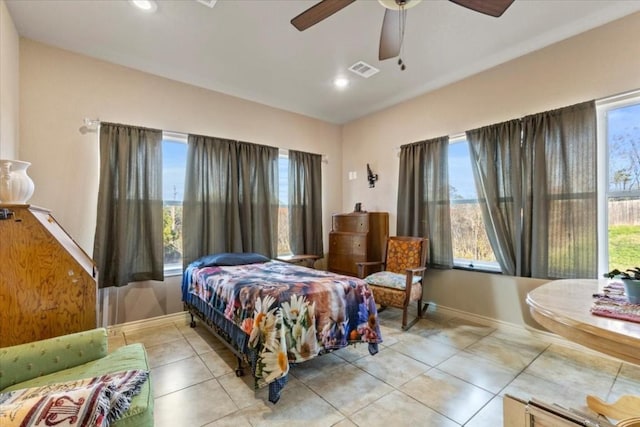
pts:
[148, 6]
[393, 24]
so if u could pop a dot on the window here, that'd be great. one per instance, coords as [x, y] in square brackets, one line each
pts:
[471, 248]
[283, 208]
[619, 183]
[174, 162]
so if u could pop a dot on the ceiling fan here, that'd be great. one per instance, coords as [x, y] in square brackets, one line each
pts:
[394, 18]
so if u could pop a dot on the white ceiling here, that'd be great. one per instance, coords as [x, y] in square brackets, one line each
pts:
[248, 48]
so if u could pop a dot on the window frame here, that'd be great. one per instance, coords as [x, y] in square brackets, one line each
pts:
[182, 138]
[602, 108]
[283, 155]
[463, 263]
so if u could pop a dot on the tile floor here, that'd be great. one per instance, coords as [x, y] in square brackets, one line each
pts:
[445, 371]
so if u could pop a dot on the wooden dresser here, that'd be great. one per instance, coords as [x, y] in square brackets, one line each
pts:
[356, 237]
[47, 283]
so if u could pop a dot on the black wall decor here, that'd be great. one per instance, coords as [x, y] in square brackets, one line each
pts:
[371, 177]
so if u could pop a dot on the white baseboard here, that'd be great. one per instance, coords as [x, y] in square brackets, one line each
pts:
[167, 319]
[549, 337]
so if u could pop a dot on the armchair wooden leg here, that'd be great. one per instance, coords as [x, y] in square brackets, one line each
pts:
[404, 319]
[422, 309]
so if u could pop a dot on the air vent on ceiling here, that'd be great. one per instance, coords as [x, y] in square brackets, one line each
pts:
[208, 3]
[363, 69]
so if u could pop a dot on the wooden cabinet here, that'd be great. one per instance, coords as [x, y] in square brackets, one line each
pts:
[47, 282]
[356, 237]
[536, 413]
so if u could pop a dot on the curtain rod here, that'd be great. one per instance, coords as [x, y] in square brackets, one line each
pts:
[91, 125]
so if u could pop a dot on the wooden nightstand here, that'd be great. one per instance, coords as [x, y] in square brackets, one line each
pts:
[306, 260]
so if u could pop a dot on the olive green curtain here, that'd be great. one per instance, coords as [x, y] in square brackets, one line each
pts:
[536, 180]
[305, 203]
[230, 199]
[496, 159]
[560, 199]
[128, 243]
[423, 197]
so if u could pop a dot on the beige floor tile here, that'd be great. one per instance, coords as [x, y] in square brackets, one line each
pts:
[478, 371]
[390, 335]
[464, 325]
[576, 370]
[169, 352]
[453, 337]
[178, 375]
[456, 399]
[396, 387]
[585, 359]
[512, 356]
[233, 420]
[424, 327]
[193, 406]
[298, 407]
[522, 338]
[153, 336]
[392, 367]
[320, 365]
[426, 350]
[348, 388]
[222, 362]
[351, 353]
[242, 390]
[488, 416]
[184, 323]
[345, 423]
[399, 410]
[202, 340]
[527, 386]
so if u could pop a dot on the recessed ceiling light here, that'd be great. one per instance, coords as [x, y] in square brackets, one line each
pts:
[341, 82]
[146, 5]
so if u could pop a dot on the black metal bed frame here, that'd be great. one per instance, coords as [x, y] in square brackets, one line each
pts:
[220, 334]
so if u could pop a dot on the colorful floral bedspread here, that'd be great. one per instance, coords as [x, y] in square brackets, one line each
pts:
[290, 313]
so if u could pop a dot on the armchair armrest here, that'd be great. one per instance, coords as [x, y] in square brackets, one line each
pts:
[411, 273]
[414, 271]
[27, 361]
[362, 265]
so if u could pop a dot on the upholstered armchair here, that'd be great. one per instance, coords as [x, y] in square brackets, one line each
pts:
[401, 279]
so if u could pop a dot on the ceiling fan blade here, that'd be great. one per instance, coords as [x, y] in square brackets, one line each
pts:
[318, 12]
[488, 7]
[390, 41]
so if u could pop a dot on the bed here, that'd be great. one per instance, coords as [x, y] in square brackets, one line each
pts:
[272, 314]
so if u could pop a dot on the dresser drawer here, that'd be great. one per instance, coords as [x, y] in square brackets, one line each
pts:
[348, 243]
[345, 264]
[353, 222]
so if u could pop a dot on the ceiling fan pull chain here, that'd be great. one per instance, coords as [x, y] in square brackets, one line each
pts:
[402, 16]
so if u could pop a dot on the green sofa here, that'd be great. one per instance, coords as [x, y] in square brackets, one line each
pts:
[72, 357]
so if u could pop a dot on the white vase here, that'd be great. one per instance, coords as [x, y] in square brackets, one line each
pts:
[15, 185]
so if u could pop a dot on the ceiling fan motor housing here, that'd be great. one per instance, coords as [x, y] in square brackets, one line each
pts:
[398, 4]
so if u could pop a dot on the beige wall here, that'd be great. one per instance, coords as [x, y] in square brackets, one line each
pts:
[9, 85]
[60, 88]
[595, 64]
